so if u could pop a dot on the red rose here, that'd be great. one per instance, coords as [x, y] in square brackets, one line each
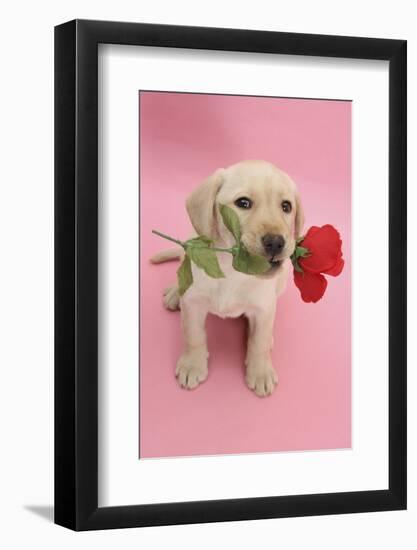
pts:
[320, 251]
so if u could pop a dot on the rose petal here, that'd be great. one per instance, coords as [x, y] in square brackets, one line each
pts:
[337, 268]
[310, 232]
[325, 248]
[313, 229]
[311, 285]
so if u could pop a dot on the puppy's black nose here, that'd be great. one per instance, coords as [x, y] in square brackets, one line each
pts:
[273, 244]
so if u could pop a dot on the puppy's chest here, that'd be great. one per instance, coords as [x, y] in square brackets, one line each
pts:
[227, 304]
[233, 297]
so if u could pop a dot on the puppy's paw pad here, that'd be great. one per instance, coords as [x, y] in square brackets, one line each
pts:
[189, 376]
[171, 298]
[262, 381]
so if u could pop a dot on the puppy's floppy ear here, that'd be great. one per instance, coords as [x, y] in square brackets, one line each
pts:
[201, 204]
[299, 216]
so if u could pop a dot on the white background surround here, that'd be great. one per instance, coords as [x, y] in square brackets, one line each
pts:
[26, 312]
[123, 479]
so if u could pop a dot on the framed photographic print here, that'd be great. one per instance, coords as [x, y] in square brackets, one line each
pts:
[230, 245]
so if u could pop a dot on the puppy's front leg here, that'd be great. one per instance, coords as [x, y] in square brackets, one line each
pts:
[261, 376]
[192, 365]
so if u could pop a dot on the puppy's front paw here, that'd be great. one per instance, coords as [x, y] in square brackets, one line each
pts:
[261, 379]
[191, 370]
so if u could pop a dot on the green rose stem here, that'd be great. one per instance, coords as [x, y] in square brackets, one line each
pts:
[184, 244]
[167, 237]
[200, 251]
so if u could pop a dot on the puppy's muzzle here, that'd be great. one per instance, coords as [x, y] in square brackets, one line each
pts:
[273, 246]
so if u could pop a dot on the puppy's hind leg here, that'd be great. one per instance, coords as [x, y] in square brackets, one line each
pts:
[171, 298]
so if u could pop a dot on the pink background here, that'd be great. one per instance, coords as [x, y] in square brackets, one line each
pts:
[183, 139]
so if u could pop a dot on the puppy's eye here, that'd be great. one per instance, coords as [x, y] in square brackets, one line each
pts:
[243, 202]
[286, 206]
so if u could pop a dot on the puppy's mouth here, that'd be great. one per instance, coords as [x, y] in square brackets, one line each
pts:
[275, 264]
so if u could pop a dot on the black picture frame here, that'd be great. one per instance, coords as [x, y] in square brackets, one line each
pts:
[76, 273]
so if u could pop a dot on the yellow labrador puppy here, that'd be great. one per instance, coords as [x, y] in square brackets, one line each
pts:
[271, 218]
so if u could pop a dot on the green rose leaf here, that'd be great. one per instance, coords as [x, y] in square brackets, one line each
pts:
[184, 276]
[231, 221]
[252, 264]
[202, 240]
[206, 259]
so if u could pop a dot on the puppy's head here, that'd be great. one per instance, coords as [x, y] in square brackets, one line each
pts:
[267, 204]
